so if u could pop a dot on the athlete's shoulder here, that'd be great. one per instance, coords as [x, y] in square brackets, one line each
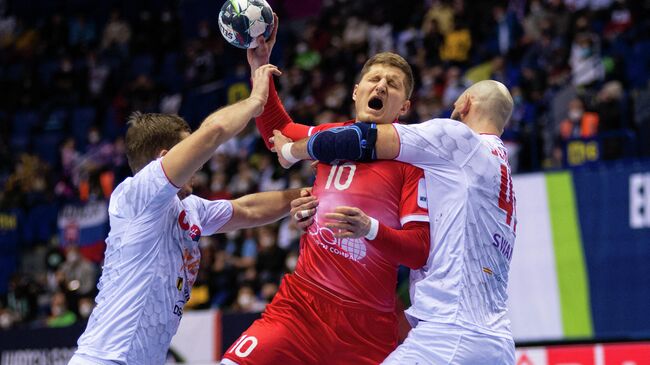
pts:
[451, 128]
[118, 196]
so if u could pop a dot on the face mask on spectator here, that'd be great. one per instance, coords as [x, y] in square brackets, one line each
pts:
[291, 262]
[5, 320]
[72, 256]
[216, 185]
[93, 137]
[57, 310]
[85, 309]
[245, 300]
[266, 241]
[575, 114]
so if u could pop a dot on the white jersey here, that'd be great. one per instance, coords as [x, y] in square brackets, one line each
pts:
[473, 220]
[151, 262]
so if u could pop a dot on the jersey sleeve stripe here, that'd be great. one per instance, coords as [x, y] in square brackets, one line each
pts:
[311, 130]
[414, 218]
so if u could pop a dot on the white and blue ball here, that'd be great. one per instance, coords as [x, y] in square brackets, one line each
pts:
[242, 21]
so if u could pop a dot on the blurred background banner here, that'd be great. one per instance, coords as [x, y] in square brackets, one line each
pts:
[579, 269]
[51, 346]
[592, 354]
[84, 226]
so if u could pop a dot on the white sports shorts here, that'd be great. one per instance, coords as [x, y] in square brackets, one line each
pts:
[79, 359]
[448, 344]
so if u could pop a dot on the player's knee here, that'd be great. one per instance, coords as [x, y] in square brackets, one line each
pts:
[355, 142]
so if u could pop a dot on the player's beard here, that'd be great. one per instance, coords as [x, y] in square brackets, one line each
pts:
[456, 116]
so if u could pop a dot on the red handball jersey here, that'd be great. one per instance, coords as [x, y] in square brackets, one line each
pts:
[392, 192]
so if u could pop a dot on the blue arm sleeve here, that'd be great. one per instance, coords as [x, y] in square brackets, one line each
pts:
[355, 142]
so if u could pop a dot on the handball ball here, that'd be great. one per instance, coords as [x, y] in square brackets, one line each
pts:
[242, 21]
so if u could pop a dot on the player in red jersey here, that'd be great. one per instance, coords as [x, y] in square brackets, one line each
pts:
[339, 305]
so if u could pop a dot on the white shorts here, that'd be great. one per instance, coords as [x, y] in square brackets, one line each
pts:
[79, 359]
[448, 344]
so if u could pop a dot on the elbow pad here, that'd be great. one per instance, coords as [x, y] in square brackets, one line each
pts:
[355, 142]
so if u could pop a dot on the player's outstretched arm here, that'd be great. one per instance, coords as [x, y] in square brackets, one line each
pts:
[274, 115]
[259, 209]
[184, 159]
[350, 143]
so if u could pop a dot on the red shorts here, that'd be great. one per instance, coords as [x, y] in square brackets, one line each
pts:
[305, 324]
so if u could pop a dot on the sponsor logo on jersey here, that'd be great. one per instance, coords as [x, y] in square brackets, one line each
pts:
[350, 248]
[191, 260]
[490, 272]
[195, 233]
[178, 308]
[502, 244]
[194, 230]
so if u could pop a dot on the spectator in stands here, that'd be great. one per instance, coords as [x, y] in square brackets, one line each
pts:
[117, 34]
[82, 33]
[579, 123]
[60, 315]
[247, 301]
[222, 275]
[85, 307]
[614, 133]
[270, 257]
[66, 83]
[7, 318]
[432, 41]
[585, 60]
[443, 14]
[458, 43]
[77, 275]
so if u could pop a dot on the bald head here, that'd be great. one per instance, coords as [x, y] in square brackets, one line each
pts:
[491, 101]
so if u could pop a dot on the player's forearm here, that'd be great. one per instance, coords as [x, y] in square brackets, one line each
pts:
[408, 246]
[275, 117]
[261, 208]
[229, 121]
[184, 159]
[299, 149]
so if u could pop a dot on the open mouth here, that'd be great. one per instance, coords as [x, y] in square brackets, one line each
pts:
[375, 104]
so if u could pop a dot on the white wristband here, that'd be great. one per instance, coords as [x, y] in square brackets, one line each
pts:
[374, 229]
[286, 153]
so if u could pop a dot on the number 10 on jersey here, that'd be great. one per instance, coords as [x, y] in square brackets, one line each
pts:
[336, 175]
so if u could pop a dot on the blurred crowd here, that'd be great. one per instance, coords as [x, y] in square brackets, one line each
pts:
[71, 72]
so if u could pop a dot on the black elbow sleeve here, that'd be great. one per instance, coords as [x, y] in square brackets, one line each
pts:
[355, 142]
